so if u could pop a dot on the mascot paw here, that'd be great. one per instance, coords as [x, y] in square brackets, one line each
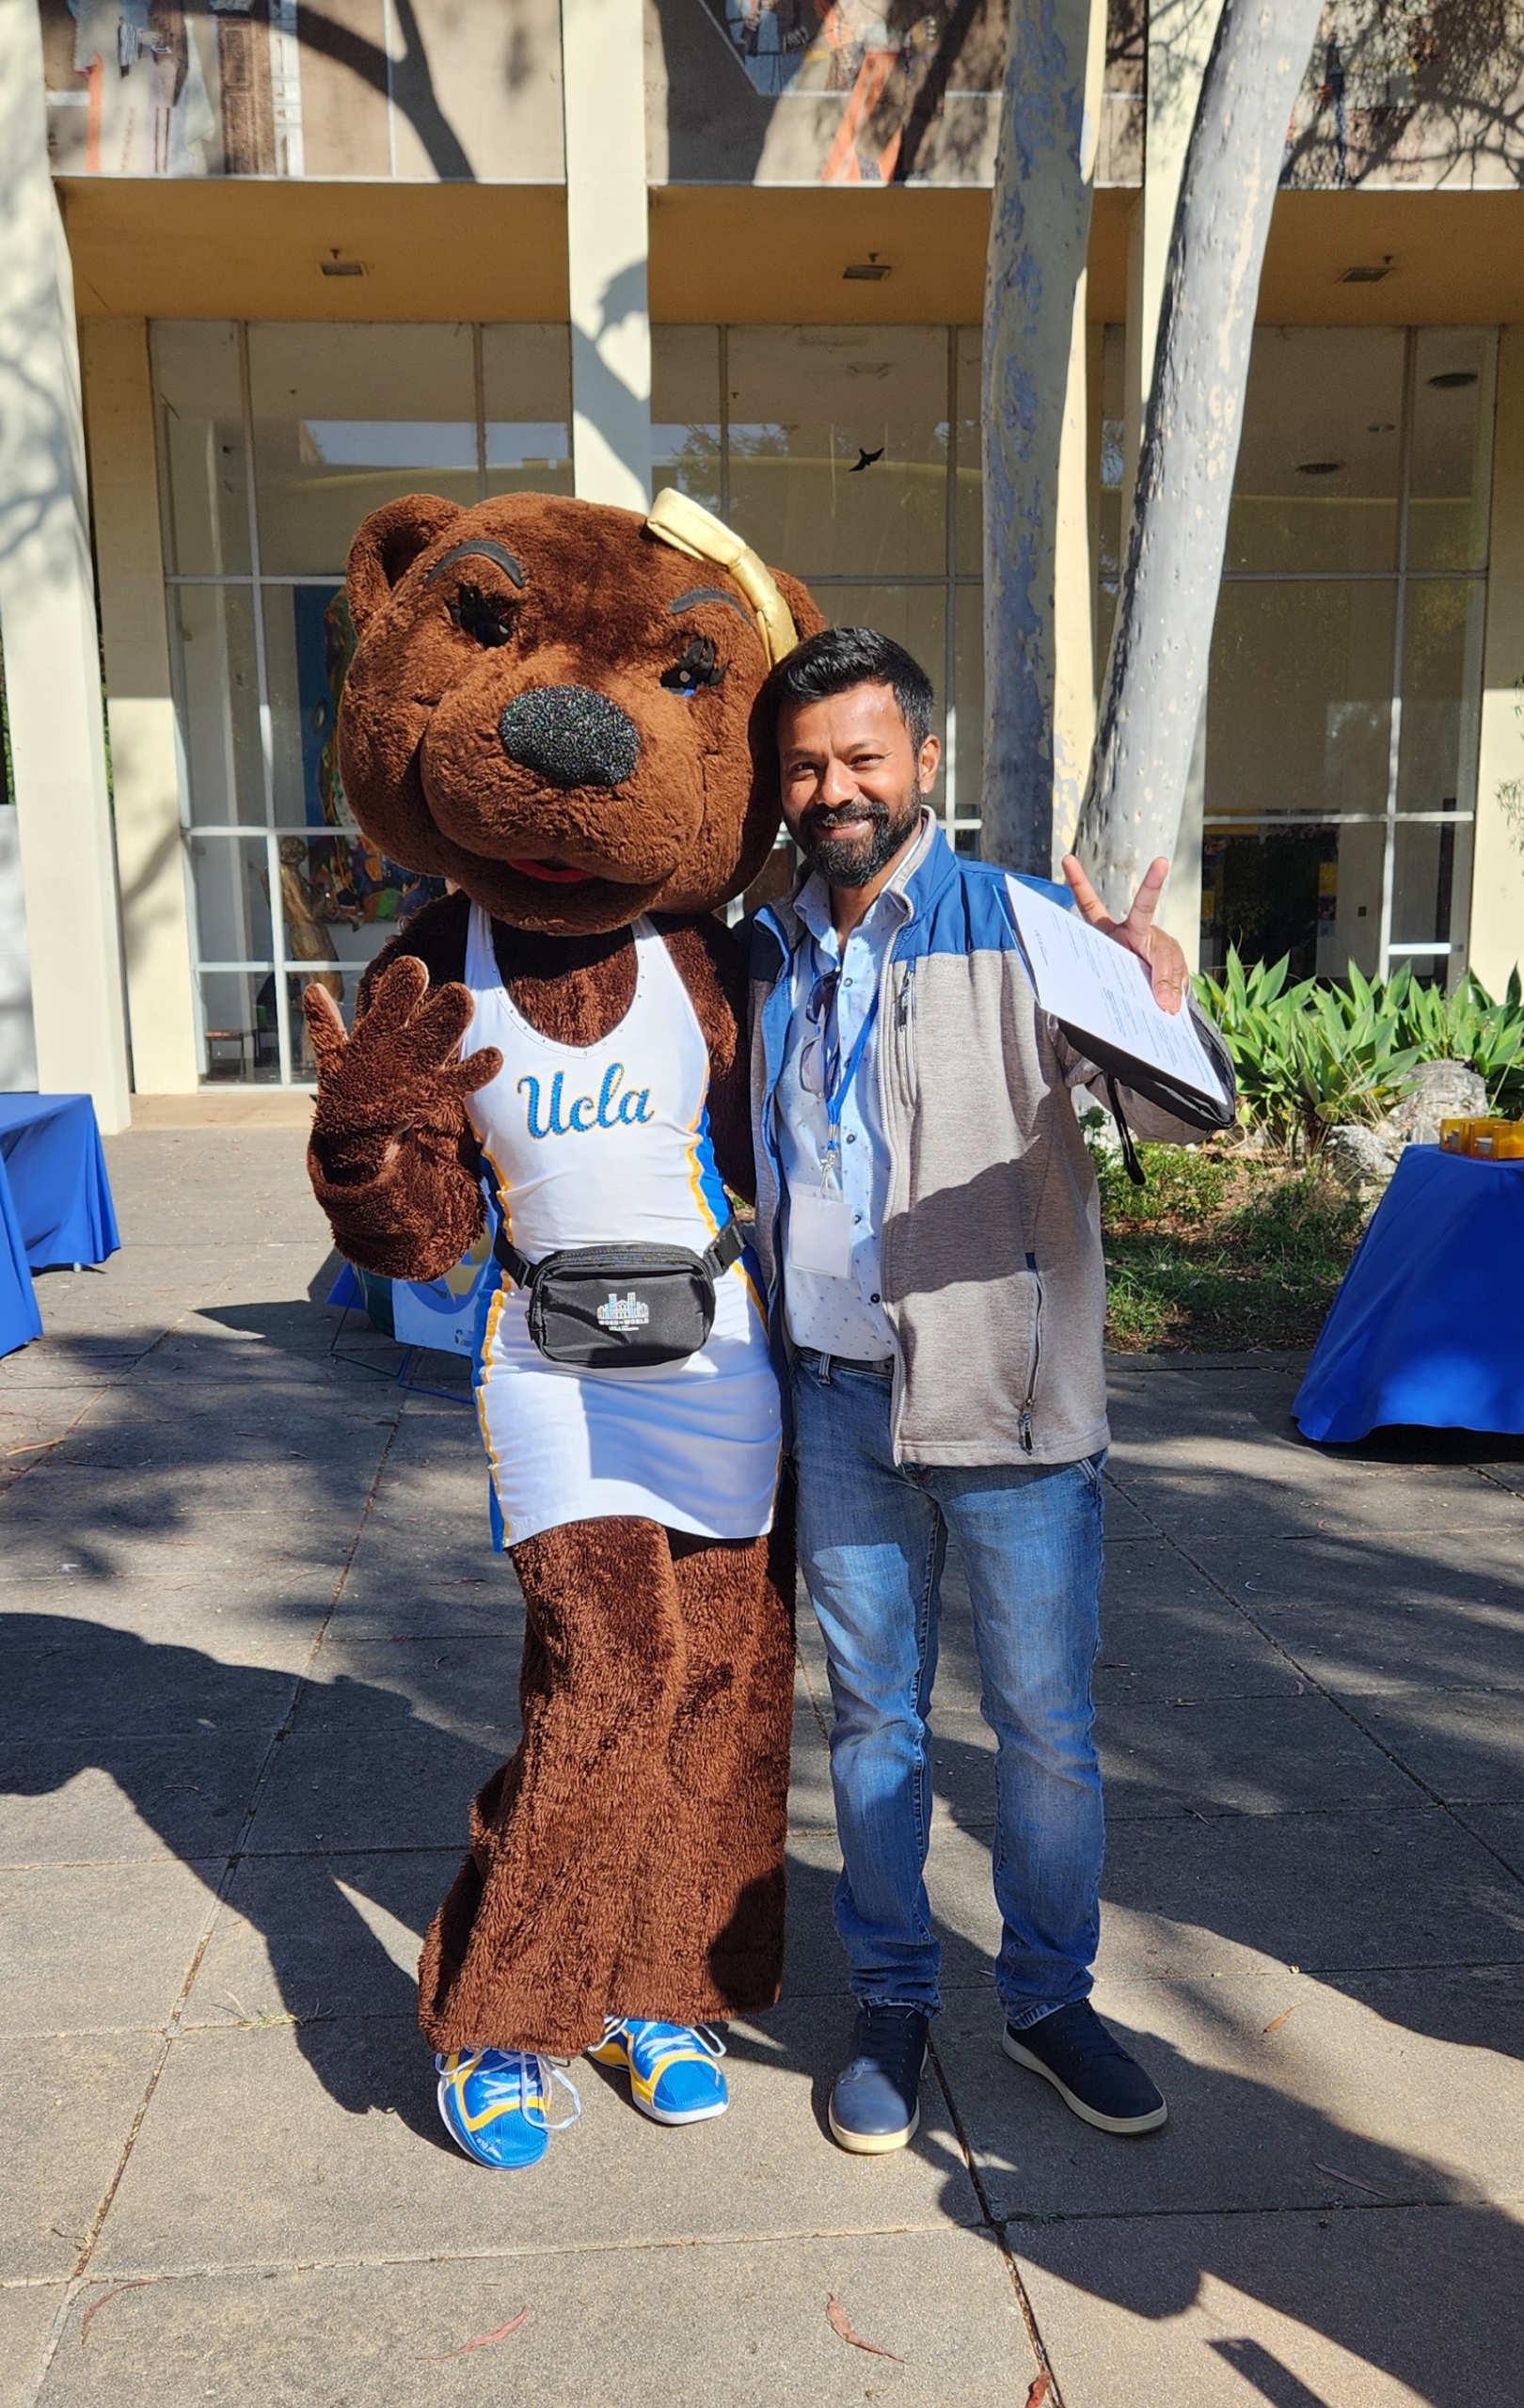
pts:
[399, 1068]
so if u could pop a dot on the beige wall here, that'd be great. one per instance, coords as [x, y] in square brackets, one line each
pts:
[140, 713]
[1498, 879]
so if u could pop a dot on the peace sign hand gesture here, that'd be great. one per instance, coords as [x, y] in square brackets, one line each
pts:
[1160, 956]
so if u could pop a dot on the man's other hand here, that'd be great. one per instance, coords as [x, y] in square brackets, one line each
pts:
[1160, 956]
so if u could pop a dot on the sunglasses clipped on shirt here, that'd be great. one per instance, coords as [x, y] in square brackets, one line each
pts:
[820, 1054]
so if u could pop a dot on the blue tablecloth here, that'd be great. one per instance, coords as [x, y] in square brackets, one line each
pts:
[1428, 1326]
[55, 1200]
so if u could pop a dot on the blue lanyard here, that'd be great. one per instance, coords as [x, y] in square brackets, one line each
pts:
[836, 1096]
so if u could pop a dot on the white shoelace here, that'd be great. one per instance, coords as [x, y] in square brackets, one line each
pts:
[705, 2033]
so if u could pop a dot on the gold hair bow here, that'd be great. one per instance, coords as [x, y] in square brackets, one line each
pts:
[687, 527]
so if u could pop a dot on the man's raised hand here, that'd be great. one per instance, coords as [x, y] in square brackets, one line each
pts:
[1160, 956]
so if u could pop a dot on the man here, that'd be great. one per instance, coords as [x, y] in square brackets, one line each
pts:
[928, 1225]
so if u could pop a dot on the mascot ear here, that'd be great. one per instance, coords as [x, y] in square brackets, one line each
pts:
[802, 606]
[387, 544]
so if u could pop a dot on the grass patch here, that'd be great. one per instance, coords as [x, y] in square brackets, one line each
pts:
[1221, 1250]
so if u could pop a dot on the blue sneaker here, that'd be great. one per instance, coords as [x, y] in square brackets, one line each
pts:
[672, 2075]
[496, 2104]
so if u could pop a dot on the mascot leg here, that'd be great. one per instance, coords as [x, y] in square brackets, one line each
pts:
[628, 1860]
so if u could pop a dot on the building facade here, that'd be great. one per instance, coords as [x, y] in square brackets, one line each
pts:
[274, 263]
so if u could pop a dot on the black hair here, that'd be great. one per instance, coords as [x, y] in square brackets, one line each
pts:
[839, 658]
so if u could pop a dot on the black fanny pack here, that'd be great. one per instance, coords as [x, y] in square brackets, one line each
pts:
[621, 1308]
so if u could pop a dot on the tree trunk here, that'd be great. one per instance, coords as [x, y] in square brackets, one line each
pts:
[1039, 228]
[1160, 648]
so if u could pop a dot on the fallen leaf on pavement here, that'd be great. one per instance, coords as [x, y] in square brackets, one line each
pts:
[1354, 2180]
[1040, 2390]
[483, 2341]
[1274, 2025]
[839, 2323]
[141, 2283]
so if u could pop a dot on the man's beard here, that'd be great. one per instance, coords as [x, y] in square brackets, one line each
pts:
[848, 861]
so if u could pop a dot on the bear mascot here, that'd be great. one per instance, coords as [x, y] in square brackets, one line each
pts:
[554, 706]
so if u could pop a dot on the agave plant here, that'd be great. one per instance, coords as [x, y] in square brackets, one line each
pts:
[1309, 1057]
[1467, 1026]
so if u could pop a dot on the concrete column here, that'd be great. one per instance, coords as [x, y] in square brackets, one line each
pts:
[140, 712]
[603, 98]
[1181, 34]
[1497, 943]
[47, 615]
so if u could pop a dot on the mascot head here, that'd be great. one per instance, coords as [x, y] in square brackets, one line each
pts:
[554, 704]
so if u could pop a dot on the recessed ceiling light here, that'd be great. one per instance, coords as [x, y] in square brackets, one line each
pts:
[1365, 275]
[1452, 379]
[869, 270]
[335, 267]
[1383, 426]
[1318, 468]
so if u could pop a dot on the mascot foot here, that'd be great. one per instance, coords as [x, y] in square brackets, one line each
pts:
[496, 2104]
[672, 2075]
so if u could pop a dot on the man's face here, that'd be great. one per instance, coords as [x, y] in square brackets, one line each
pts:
[852, 783]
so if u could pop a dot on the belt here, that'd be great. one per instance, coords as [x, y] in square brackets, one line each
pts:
[882, 1368]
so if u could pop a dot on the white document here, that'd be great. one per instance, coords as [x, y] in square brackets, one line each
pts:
[821, 1232]
[1099, 989]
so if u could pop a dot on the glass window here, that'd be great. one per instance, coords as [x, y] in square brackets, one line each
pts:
[1449, 478]
[1299, 704]
[1442, 681]
[970, 462]
[1431, 876]
[838, 447]
[309, 644]
[238, 1035]
[232, 897]
[346, 418]
[968, 728]
[216, 679]
[685, 413]
[199, 394]
[1319, 465]
[525, 396]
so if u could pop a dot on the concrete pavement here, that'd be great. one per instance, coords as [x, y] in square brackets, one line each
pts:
[258, 1656]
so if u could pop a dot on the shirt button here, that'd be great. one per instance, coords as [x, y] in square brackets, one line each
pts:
[851, 1136]
[875, 1298]
[846, 982]
[858, 1218]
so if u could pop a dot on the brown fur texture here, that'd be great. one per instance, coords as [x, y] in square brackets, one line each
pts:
[505, 712]
[656, 1691]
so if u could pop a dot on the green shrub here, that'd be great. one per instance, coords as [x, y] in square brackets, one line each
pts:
[1467, 1026]
[1307, 1057]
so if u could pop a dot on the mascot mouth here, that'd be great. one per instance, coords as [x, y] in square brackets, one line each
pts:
[553, 873]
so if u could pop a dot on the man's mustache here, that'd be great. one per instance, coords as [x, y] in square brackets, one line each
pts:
[822, 820]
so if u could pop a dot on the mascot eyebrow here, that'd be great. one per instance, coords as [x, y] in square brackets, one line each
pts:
[482, 549]
[710, 594]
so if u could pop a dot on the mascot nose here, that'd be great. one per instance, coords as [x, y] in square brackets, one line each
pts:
[570, 736]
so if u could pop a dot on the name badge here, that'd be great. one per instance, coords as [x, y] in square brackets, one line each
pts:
[820, 1233]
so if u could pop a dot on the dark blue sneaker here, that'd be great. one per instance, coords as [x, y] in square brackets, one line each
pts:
[874, 2106]
[1091, 2073]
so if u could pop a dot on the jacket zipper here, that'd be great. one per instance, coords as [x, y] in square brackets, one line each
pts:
[1024, 1424]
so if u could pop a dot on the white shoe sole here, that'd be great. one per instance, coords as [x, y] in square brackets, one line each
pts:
[872, 2143]
[1149, 2123]
[683, 2115]
[877, 2143]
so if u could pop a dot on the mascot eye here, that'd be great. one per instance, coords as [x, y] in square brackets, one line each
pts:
[481, 616]
[699, 666]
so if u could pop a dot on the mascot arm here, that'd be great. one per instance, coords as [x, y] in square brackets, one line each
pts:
[713, 969]
[392, 1158]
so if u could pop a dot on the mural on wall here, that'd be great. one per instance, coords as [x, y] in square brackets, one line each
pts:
[417, 89]
[1427, 92]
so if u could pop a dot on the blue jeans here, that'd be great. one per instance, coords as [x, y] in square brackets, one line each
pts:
[872, 1540]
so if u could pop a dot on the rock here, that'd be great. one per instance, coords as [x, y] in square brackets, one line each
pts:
[1362, 1159]
[1439, 1091]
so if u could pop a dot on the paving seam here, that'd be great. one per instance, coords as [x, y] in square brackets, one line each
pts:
[1425, 1788]
[33, 2391]
[991, 2224]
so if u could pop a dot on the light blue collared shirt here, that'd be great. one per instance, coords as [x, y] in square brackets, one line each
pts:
[840, 1315]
